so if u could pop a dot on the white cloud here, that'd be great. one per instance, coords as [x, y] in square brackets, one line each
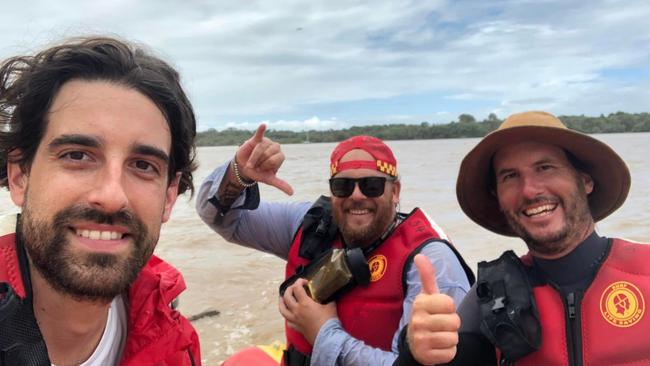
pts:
[313, 123]
[281, 60]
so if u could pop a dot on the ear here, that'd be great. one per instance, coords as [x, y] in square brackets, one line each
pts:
[170, 197]
[17, 179]
[396, 187]
[587, 181]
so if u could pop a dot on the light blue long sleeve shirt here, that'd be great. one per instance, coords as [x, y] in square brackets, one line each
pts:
[270, 228]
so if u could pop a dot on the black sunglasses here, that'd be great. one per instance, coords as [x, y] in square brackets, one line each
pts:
[370, 186]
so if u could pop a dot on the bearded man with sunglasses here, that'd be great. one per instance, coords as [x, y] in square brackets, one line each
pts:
[362, 325]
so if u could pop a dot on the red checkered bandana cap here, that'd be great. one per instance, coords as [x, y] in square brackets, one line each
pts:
[385, 161]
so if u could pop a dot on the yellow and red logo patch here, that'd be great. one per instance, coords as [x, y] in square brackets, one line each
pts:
[622, 304]
[377, 265]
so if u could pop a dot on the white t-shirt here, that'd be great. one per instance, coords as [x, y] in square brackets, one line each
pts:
[110, 347]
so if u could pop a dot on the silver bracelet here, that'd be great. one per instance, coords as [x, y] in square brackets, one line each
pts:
[238, 176]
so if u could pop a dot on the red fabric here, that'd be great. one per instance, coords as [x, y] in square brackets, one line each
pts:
[9, 268]
[372, 313]
[602, 342]
[356, 164]
[157, 335]
[384, 159]
[252, 356]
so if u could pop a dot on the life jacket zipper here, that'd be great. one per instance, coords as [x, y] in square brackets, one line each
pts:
[573, 327]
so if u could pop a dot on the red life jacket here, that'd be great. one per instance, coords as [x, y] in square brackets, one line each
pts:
[609, 322]
[157, 335]
[372, 313]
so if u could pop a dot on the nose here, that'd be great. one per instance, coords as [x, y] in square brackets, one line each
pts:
[531, 186]
[108, 192]
[356, 193]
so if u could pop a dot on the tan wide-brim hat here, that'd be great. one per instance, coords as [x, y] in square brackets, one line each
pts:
[609, 172]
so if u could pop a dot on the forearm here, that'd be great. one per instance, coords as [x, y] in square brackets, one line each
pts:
[334, 346]
[232, 185]
[472, 350]
[249, 222]
[215, 213]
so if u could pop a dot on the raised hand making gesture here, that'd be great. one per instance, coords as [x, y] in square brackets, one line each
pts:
[256, 160]
[259, 158]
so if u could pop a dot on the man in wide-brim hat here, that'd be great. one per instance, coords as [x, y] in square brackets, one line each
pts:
[576, 298]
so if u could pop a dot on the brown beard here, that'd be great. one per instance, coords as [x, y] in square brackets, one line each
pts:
[362, 237]
[577, 216]
[88, 277]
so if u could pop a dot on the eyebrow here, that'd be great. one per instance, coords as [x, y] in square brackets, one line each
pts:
[503, 171]
[544, 160]
[151, 151]
[89, 141]
[82, 140]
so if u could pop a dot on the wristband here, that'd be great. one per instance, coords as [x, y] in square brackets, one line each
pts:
[238, 176]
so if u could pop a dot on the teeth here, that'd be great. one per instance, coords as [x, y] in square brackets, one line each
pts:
[358, 212]
[539, 210]
[99, 235]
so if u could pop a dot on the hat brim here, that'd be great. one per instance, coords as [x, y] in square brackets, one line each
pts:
[609, 172]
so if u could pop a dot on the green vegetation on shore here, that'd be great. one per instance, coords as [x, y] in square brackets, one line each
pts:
[465, 126]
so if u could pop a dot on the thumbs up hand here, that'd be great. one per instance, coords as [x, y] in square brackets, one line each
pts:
[259, 159]
[433, 330]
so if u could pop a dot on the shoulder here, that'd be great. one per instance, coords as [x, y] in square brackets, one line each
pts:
[157, 278]
[629, 256]
[629, 243]
[434, 225]
[443, 257]
[156, 331]
[437, 249]
[450, 272]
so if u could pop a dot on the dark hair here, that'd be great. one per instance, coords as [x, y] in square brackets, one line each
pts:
[28, 85]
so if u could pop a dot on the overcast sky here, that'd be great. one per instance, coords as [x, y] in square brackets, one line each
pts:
[333, 64]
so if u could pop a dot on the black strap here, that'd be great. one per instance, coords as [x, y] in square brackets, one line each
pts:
[293, 357]
[509, 316]
[404, 357]
[318, 229]
[251, 202]
[21, 342]
[399, 217]
[189, 353]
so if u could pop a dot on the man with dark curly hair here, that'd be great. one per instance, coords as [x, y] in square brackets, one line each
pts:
[96, 143]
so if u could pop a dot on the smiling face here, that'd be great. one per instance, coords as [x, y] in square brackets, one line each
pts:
[543, 197]
[95, 195]
[362, 219]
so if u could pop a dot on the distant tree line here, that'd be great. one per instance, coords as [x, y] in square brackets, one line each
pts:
[465, 126]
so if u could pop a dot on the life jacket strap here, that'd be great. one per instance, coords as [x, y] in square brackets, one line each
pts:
[293, 357]
[509, 316]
